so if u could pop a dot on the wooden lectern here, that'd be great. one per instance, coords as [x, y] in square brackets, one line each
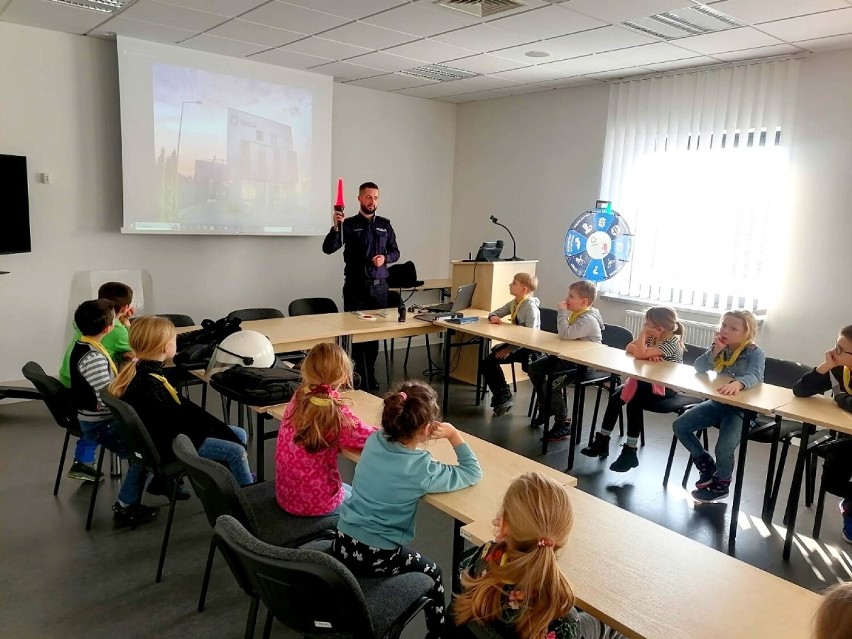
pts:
[492, 291]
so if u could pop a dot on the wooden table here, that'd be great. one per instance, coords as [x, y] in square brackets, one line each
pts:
[649, 582]
[818, 410]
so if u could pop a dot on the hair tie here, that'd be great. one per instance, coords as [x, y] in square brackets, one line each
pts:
[404, 396]
[135, 360]
[545, 542]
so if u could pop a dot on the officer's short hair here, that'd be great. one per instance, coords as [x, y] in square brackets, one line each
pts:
[367, 185]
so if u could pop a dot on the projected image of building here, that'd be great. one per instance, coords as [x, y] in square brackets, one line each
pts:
[262, 167]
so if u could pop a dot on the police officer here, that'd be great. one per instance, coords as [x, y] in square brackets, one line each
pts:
[369, 245]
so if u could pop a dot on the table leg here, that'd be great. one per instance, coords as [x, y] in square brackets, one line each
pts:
[458, 554]
[576, 411]
[345, 342]
[447, 347]
[260, 444]
[748, 416]
[795, 491]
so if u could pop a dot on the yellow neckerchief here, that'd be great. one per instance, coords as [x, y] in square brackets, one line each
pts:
[168, 386]
[318, 401]
[720, 362]
[100, 348]
[515, 306]
[846, 377]
[576, 315]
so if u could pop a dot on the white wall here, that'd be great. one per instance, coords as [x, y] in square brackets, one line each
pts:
[60, 108]
[534, 161]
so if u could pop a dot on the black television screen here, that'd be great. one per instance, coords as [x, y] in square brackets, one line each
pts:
[15, 216]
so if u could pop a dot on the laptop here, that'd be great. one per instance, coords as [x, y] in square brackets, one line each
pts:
[464, 297]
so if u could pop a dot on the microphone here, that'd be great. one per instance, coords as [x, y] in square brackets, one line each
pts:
[514, 257]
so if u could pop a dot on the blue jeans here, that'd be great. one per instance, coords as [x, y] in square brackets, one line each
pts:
[711, 413]
[106, 434]
[231, 453]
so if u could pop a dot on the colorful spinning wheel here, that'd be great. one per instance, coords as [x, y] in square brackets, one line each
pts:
[598, 244]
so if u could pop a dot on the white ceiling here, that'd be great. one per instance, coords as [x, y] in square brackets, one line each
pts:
[370, 42]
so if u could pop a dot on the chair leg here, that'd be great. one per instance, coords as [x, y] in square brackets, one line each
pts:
[391, 349]
[770, 473]
[208, 568]
[165, 545]
[267, 627]
[251, 620]
[785, 447]
[810, 476]
[407, 351]
[387, 362]
[61, 463]
[95, 490]
[820, 504]
[204, 396]
[514, 379]
[594, 425]
[531, 409]
[687, 472]
[670, 461]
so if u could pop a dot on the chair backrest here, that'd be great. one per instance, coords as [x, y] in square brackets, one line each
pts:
[56, 396]
[295, 584]
[180, 321]
[692, 352]
[251, 314]
[312, 306]
[548, 319]
[132, 430]
[403, 275]
[216, 487]
[781, 372]
[616, 336]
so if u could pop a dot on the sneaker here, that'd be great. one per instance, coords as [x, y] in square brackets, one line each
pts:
[163, 488]
[133, 515]
[626, 460]
[560, 431]
[502, 402]
[598, 448]
[84, 472]
[714, 491]
[706, 468]
[539, 419]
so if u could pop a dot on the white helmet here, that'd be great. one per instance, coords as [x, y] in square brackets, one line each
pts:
[243, 348]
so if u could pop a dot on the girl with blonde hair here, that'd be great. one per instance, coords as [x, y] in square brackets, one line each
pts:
[143, 385]
[833, 619]
[513, 585]
[660, 340]
[734, 354]
[316, 425]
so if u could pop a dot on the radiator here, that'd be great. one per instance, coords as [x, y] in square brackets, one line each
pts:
[698, 333]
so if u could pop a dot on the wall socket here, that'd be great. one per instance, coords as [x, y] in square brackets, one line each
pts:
[44, 178]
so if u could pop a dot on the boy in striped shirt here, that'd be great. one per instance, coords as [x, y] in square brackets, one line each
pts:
[91, 370]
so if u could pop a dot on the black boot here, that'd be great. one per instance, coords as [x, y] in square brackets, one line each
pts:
[707, 469]
[599, 447]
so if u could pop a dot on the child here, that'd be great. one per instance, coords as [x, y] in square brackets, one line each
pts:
[834, 374]
[142, 385]
[91, 369]
[834, 617]
[514, 583]
[523, 311]
[316, 425]
[734, 354]
[394, 472]
[117, 347]
[661, 339]
[576, 320]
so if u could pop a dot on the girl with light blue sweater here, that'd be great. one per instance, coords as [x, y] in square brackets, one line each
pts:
[394, 472]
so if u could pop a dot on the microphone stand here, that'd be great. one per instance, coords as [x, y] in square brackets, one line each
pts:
[514, 257]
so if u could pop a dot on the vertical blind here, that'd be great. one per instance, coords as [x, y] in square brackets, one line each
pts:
[698, 165]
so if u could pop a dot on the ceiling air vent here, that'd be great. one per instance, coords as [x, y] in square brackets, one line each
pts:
[102, 6]
[681, 23]
[438, 72]
[481, 8]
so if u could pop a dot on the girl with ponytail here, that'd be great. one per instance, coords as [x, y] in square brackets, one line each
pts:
[316, 425]
[514, 584]
[143, 385]
[660, 340]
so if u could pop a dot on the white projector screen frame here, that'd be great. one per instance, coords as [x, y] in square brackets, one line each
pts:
[276, 122]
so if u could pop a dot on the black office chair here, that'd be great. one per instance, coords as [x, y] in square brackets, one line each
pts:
[768, 430]
[251, 314]
[57, 398]
[254, 506]
[820, 446]
[312, 306]
[180, 321]
[138, 440]
[297, 586]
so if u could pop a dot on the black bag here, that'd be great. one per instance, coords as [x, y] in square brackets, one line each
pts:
[256, 386]
[195, 348]
[403, 276]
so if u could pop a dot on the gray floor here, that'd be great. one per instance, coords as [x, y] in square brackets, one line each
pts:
[59, 581]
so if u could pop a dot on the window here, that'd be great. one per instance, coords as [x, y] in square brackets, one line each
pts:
[697, 165]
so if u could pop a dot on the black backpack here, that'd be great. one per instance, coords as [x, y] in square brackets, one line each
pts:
[195, 348]
[256, 386]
